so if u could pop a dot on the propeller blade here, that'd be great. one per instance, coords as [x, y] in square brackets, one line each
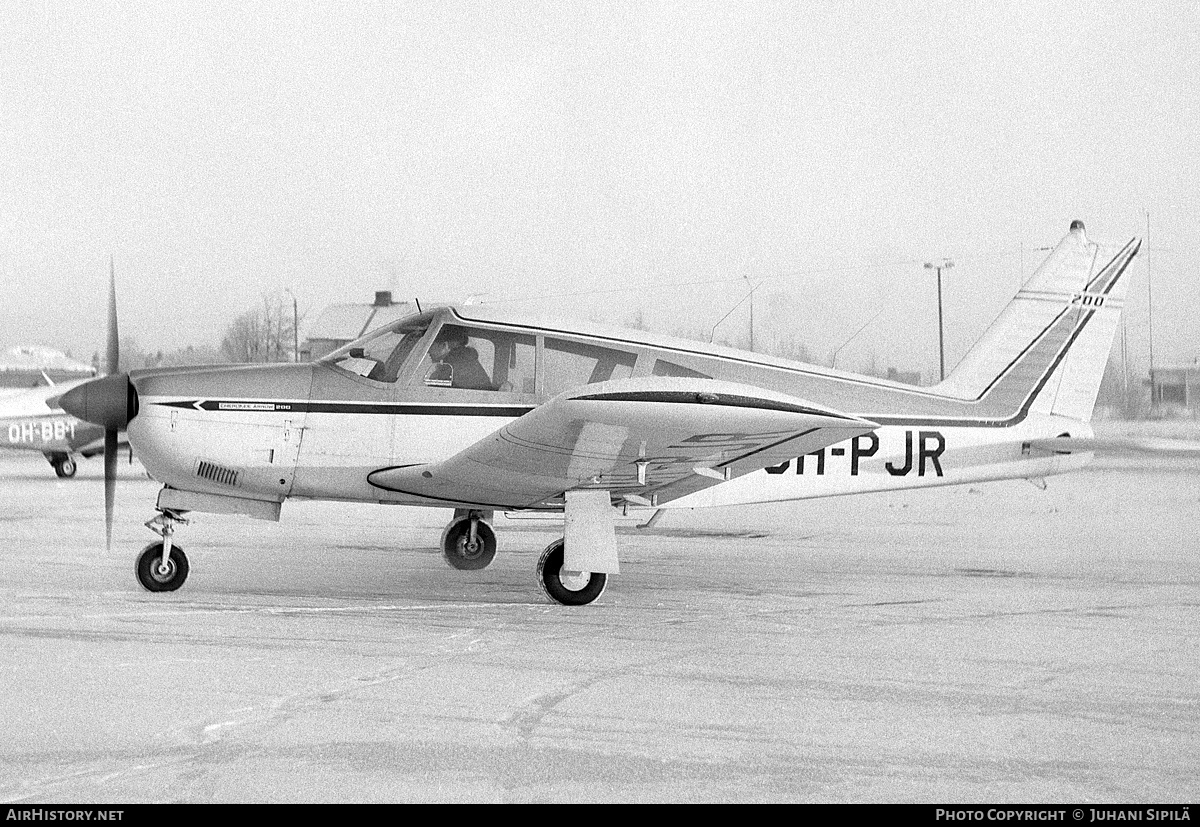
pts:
[114, 348]
[110, 482]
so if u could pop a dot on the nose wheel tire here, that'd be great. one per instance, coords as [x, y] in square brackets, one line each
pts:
[570, 588]
[464, 552]
[64, 467]
[153, 576]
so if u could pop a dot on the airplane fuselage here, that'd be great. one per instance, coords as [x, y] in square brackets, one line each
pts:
[309, 438]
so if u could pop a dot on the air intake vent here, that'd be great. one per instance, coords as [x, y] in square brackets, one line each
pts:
[217, 473]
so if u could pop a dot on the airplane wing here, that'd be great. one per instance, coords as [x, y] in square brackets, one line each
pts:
[646, 441]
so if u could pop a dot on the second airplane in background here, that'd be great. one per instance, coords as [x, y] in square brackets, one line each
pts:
[33, 420]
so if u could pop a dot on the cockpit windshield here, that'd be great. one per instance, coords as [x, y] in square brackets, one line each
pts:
[381, 355]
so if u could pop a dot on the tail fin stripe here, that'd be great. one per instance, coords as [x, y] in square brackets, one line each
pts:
[1072, 330]
[1007, 399]
[1106, 279]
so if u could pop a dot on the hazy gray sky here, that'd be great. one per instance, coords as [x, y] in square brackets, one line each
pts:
[220, 150]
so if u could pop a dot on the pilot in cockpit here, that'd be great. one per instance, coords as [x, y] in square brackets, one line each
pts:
[451, 348]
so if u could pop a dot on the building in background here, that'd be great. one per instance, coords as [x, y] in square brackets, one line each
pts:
[28, 366]
[340, 324]
[1175, 389]
[908, 377]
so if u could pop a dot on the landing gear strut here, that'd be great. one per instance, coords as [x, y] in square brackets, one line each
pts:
[162, 567]
[469, 542]
[570, 588]
[64, 465]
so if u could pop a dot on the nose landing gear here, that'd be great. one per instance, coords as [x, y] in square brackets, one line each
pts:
[64, 465]
[162, 567]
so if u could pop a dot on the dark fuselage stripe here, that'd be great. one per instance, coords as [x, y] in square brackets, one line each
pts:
[714, 399]
[376, 408]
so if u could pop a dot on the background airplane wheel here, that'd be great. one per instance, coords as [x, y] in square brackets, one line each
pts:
[460, 552]
[154, 580]
[64, 465]
[567, 588]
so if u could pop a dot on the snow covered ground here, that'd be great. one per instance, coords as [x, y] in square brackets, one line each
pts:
[989, 643]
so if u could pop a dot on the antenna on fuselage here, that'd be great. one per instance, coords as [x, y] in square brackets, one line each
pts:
[712, 333]
[833, 359]
[418, 301]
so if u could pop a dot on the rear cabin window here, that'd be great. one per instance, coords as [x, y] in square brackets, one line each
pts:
[664, 368]
[571, 364]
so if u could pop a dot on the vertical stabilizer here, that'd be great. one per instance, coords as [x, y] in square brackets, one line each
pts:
[1054, 337]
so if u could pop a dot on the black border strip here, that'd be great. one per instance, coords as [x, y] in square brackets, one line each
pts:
[705, 398]
[239, 406]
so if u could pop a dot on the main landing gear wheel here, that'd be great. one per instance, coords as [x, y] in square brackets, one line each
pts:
[152, 575]
[570, 588]
[469, 543]
[64, 466]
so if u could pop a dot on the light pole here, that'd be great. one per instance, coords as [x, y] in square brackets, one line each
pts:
[753, 287]
[295, 326]
[946, 264]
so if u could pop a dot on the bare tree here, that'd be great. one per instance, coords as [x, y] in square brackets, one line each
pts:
[189, 356]
[264, 334]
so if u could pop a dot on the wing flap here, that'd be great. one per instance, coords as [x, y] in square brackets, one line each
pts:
[650, 439]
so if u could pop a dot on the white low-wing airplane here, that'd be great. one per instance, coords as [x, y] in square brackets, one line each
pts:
[476, 411]
[33, 420]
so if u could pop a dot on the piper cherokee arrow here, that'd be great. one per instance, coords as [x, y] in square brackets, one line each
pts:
[478, 411]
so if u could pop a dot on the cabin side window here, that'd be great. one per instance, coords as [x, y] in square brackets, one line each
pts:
[568, 365]
[381, 356]
[472, 358]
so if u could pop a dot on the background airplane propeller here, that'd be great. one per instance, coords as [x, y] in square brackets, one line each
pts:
[109, 402]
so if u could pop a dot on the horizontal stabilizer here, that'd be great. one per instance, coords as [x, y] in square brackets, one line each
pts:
[1137, 445]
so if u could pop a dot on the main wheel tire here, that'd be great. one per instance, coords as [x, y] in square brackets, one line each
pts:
[65, 467]
[573, 589]
[460, 552]
[154, 580]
